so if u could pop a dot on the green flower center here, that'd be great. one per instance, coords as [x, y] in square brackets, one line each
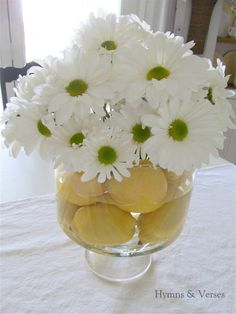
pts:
[107, 155]
[109, 45]
[140, 135]
[77, 139]
[210, 96]
[178, 130]
[76, 88]
[158, 73]
[43, 130]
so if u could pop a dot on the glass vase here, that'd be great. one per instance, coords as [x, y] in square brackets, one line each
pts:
[120, 224]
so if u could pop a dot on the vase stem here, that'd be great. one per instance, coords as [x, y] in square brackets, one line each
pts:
[116, 268]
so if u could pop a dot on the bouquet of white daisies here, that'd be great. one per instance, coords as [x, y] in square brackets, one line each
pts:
[118, 95]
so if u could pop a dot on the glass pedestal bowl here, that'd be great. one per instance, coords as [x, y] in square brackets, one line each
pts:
[120, 224]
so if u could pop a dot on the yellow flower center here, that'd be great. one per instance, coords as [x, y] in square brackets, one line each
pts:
[43, 130]
[107, 155]
[178, 130]
[158, 73]
[77, 139]
[210, 96]
[76, 87]
[140, 134]
[109, 45]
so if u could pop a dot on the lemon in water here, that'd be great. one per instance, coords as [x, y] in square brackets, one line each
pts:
[142, 192]
[103, 224]
[165, 222]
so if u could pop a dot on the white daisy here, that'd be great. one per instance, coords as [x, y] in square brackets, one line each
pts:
[8, 129]
[79, 85]
[120, 94]
[163, 67]
[107, 154]
[185, 134]
[217, 95]
[145, 28]
[108, 35]
[25, 128]
[37, 75]
[9, 135]
[128, 119]
[68, 140]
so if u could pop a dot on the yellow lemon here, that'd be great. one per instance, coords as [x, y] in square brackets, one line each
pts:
[67, 192]
[103, 225]
[165, 222]
[142, 192]
[90, 188]
[65, 212]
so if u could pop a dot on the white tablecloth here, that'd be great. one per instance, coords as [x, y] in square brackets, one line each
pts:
[42, 271]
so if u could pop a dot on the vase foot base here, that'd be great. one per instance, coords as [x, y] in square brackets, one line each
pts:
[118, 268]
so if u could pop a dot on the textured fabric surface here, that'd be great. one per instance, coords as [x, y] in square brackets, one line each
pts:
[42, 271]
